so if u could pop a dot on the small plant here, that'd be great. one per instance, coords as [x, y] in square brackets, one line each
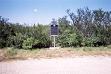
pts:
[11, 52]
[109, 46]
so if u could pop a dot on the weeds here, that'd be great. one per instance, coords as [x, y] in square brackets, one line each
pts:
[11, 53]
[109, 46]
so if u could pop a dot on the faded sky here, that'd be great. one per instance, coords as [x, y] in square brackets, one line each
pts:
[42, 11]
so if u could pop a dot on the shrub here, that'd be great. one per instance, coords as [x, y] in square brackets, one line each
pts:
[31, 42]
[68, 39]
[2, 43]
[27, 44]
[75, 40]
[92, 41]
[18, 40]
[43, 42]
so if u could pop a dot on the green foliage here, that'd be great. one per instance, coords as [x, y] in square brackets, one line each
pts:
[90, 41]
[2, 43]
[86, 28]
[17, 40]
[30, 43]
[5, 31]
[93, 25]
[27, 44]
[37, 37]
[68, 39]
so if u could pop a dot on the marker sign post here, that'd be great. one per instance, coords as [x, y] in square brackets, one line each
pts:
[54, 31]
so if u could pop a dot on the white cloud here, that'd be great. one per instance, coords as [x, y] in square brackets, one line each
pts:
[34, 10]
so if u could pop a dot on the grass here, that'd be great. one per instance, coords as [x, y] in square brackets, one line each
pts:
[11, 53]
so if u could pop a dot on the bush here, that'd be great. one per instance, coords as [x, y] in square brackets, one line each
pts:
[43, 42]
[75, 40]
[92, 41]
[17, 40]
[2, 43]
[68, 39]
[31, 42]
[27, 44]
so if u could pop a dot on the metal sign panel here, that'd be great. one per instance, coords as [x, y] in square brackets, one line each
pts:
[54, 28]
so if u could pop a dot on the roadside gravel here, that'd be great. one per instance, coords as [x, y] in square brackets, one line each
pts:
[76, 65]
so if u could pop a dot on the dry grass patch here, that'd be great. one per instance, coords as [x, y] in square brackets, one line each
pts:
[10, 53]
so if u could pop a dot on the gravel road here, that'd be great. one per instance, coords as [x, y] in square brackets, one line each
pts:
[77, 65]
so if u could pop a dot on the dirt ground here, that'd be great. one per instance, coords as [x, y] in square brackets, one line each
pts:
[75, 65]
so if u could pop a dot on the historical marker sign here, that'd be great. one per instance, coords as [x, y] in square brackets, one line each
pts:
[54, 31]
[54, 28]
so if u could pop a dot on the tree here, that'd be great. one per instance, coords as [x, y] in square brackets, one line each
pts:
[5, 32]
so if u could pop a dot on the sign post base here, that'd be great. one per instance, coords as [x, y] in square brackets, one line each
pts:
[54, 48]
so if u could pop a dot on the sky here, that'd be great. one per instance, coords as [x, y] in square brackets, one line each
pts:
[42, 11]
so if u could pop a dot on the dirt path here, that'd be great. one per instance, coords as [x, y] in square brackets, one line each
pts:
[77, 65]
